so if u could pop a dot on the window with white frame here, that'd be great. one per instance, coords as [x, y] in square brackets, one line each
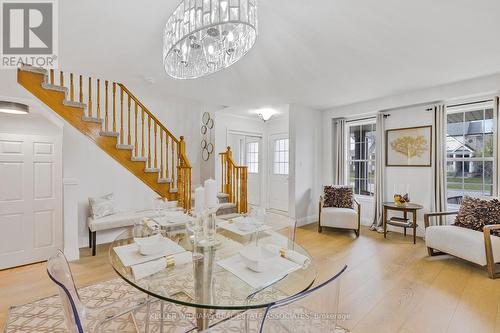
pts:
[361, 157]
[470, 154]
[280, 162]
[253, 157]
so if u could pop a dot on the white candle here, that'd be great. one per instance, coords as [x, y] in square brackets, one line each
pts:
[210, 193]
[199, 199]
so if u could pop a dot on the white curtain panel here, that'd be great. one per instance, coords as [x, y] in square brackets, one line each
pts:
[339, 158]
[379, 174]
[496, 105]
[438, 194]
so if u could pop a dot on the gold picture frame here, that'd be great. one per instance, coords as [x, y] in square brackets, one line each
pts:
[408, 147]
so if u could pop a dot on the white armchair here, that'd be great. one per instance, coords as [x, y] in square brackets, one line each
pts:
[342, 218]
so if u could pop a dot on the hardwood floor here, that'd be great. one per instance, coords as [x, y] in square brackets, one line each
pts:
[391, 285]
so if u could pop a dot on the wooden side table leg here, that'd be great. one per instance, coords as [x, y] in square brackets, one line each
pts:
[405, 215]
[384, 219]
[414, 227]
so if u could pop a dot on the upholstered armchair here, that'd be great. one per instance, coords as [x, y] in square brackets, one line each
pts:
[342, 218]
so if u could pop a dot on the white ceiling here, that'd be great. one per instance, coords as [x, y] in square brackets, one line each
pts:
[320, 53]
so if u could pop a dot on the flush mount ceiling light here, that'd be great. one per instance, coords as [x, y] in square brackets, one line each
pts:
[202, 37]
[14, 108]
[265, 114]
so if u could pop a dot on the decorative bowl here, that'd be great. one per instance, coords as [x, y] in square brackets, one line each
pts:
[149, 245]
[257, 258]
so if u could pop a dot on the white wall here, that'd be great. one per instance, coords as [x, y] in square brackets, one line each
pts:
[305, 163]
[419, 179]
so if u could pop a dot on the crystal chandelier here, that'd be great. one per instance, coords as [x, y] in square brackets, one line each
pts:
[204, 36]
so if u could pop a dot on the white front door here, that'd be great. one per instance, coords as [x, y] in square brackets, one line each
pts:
[30, 198]
[252, 161]
[278, 172]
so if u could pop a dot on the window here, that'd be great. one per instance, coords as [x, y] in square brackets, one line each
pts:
[253, 157]
[361, 158]
[469, 153]
[280, 163]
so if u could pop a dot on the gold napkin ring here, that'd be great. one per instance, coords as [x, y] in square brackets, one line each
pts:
[170, 261]
[282, 252]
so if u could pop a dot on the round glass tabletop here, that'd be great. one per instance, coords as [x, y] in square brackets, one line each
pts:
[203, 282]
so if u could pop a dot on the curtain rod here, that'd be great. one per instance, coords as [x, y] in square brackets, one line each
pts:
[360, 119]
[469, 103]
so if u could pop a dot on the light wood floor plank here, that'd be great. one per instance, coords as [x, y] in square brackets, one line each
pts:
[391, 284]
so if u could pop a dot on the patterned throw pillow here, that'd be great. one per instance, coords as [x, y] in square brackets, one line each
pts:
[102, 206]
[475, 213]
[337, 196]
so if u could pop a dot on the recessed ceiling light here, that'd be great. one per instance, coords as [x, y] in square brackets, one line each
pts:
[13, 107]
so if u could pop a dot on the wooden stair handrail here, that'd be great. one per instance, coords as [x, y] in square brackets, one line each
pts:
[129, 93]
[234, 181]
[108, 114]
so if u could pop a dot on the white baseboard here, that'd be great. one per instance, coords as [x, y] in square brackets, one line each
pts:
[307, 220]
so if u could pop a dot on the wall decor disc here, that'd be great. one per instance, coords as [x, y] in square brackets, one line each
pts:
[203, 129]
[205, 155]
[203, 144]
[210, 123]
[205, 118]
[210, 148]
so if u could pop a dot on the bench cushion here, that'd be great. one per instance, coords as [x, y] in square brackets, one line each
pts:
[461, 242]
[118, 220]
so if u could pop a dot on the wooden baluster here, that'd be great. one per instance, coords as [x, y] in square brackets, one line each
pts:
[173, 159]
[149, 141]
[222, 176]
[80, 98]
[142, 133]
[61, 78]
[51, 76]
[166, 156]
[236, 188]
[89, 106]
[71, 88]
[98, 98]
[154, 133]
[161, 153]
[136, 145]
[129, 137]
[121, 115]
[114, 107]
[106, 119]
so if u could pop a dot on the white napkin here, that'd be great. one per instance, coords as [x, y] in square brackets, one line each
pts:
[146, 269]
[150, 223]
[294, 256]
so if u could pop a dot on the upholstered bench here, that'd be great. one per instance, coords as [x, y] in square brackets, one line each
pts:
[113, 221]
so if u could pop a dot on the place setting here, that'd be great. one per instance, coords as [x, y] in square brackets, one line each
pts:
[151, 252]
[262, 265]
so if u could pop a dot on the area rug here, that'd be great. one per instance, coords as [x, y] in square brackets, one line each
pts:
[46, 315]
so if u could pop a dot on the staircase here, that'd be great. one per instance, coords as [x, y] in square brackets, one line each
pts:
[234, 182]
[109, 114]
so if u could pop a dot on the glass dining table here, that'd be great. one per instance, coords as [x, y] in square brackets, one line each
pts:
[204, 284]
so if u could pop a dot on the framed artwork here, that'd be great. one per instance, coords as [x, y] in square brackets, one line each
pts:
[408, 147]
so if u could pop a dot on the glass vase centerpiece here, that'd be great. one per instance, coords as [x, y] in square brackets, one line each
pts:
[206, 205]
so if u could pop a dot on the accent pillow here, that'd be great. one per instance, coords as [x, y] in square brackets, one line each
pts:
[102, 206]
[475, 213]
[337, 196]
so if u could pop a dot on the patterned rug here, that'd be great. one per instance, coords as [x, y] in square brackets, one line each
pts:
[46, 314]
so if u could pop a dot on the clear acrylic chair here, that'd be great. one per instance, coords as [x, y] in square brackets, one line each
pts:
[79, 317]
[312, 311]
